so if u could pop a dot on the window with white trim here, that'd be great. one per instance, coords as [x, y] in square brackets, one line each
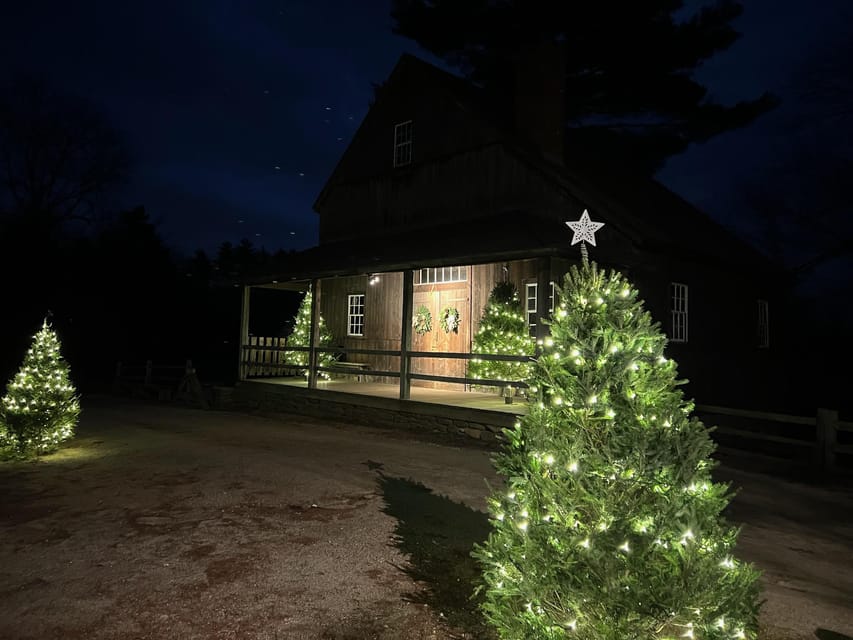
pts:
[678, 310]
[531, 290]
[355, 314]
[403, 143]
[763, 324]
[437, 275]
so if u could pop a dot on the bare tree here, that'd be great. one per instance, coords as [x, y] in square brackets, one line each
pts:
[57, 156]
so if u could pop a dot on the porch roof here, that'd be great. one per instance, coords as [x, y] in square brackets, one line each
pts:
[506, 236]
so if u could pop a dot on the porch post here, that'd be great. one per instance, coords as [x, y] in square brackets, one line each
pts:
[244, 334]
[315, 334]
[406, 334]
[543, 291]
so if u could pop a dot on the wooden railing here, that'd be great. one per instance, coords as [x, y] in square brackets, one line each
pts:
[163, 381]
[819, 442]
[266, 357]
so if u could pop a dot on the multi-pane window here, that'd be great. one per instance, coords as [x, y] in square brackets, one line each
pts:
[437, 275]
[403, 143]
[763, 324]
[678, 309]
[355, 314]
[531, 291]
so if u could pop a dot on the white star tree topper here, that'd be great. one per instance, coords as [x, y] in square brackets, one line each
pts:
[584, 229]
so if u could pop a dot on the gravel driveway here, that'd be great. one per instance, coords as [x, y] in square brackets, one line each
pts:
[166, 522]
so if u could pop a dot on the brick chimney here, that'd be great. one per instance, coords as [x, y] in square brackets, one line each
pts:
[540, 71]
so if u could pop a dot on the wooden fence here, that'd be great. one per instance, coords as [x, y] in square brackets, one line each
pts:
[265, 357]
[160, 381]
[822, 440]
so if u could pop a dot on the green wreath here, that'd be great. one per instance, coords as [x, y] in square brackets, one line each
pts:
[422, 321]
[450, 320]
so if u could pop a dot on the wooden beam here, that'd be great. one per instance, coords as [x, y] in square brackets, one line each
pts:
[315, 334]
[244, 333]
[406, 334]
[543, 291]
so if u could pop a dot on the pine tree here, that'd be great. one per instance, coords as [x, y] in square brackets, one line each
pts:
[301, 337]
[40, 408]
[610, 527]
[503, 331]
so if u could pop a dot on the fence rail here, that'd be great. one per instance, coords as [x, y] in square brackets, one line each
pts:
[820, 442]
[818, 437]
[163, 381]
[267, 357]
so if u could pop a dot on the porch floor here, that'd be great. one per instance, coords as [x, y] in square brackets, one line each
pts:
[468, 399]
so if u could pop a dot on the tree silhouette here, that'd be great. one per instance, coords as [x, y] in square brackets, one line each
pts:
[57, 156]
[628, 66]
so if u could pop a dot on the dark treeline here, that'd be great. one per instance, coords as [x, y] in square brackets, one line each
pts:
[114, 291]
[118, 293]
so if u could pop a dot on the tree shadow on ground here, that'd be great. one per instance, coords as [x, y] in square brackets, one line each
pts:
[437, 535]
[826, 634]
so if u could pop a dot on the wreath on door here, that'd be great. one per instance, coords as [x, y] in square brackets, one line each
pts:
[449, 320]
[422, 321]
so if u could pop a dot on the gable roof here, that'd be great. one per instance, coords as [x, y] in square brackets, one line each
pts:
[654, 218]
[486, 123]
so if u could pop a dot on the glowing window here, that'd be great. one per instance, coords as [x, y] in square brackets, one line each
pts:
[531, 290]
[437, 275]
[355, 314]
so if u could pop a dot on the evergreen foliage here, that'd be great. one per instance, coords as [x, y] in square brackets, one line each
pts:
[610, 527]
[301, 337]
[502, 331]
[40, 408]
[628, 67]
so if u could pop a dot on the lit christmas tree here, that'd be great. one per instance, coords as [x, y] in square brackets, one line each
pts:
[301, 337]
[40, 408]
[503, 331]
[609, 526]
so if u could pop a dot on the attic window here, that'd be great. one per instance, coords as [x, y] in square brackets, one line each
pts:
[403, 143]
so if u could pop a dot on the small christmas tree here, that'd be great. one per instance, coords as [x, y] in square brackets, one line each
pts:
[610, 527]
[301, 337]
[40, 408]
[503, 331]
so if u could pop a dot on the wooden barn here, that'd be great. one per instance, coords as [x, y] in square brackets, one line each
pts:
[443, 193]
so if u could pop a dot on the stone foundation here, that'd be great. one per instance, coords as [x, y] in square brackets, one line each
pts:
[482, 425]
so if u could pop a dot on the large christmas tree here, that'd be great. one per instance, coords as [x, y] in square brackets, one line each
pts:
[610, 527]
[40, 408]
[301, 337]
[503, 331]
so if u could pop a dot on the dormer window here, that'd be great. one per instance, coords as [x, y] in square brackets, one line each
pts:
[403, 143]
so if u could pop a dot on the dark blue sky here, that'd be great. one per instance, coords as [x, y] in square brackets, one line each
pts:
[236, 112]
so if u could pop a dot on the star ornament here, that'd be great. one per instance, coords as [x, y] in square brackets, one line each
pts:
[584, 229]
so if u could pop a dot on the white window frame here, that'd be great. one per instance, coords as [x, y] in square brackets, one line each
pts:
[355, 315]
[678, 297]
[403, 143]
[763, 324]
[441, 275]
[531, 292]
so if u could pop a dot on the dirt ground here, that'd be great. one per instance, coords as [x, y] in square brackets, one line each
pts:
[166, 522]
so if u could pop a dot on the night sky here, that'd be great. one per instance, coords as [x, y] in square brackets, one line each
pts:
[236, 112]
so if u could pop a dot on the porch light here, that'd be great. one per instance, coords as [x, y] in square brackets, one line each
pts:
[372, 279]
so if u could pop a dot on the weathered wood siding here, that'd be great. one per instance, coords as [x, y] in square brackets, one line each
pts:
[465, 185]
[382, 316]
